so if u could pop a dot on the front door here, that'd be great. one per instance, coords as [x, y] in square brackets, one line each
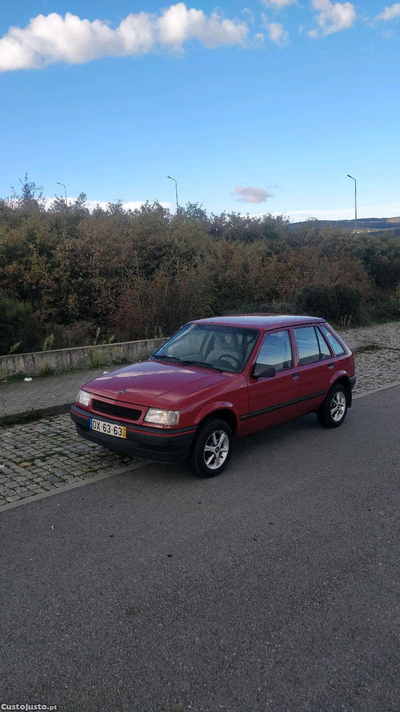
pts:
[274, 399]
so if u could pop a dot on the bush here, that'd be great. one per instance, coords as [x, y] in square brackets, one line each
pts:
[135, 274]
[272, 307]
[387, 309]
[20, 330]
[337, 304]
[80, 333]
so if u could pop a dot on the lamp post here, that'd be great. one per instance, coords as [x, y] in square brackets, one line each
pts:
[355, 202]
[65, 191]
[176, 191]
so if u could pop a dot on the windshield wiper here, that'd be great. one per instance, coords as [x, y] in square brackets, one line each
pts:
[205, 364]
[174, 359]
[187, 362]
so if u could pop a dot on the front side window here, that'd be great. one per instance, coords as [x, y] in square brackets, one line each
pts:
[337, 348]
[276, 351]
[310, 345]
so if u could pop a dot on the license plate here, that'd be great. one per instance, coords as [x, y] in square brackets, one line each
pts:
[100, 426]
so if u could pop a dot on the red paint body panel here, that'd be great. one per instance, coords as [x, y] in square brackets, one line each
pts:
[272, 392]
[154, 383]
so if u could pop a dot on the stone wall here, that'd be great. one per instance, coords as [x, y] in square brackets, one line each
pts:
[42, 362]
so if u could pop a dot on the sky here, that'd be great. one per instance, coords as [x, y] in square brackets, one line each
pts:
[260, 106]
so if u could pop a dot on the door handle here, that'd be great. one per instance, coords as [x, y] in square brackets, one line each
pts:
[331, 365]
[295, 376]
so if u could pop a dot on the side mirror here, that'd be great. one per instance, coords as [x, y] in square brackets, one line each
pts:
[260, 370]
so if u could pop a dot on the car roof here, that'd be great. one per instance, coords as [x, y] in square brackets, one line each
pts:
[260, 321]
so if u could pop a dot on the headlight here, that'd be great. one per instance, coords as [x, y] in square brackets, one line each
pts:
[162, 417]
[83, 398]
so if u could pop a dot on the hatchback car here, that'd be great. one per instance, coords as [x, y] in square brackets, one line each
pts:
[215, 380]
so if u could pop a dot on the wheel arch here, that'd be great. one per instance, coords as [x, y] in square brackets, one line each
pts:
[221, 414]
[345, 381]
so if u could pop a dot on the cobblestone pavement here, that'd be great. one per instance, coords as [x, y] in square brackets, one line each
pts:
[47, 455]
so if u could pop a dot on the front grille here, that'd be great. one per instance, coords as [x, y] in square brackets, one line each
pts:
[118, 411]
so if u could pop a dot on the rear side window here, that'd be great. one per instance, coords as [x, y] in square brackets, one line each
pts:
[323, 346]
[276, 351]
[311, 346]
[338, 349]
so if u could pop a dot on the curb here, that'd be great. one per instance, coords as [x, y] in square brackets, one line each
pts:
[32, 414]
[363, 394]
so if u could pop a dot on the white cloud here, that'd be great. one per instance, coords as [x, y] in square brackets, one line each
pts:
[332, 17]
[278, 4]
[277, 33]
[178, 24]
[92, 204]
[53, 38]
[129, 205]
[258, 40]
[252, 195]
[249, 14]
[390, 13]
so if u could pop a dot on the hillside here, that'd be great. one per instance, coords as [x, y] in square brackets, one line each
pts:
[365, 225]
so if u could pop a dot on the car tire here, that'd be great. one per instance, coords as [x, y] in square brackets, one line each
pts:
[333, 410]
[212, 447]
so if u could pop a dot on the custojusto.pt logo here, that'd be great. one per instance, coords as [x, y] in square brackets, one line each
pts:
[28, 707]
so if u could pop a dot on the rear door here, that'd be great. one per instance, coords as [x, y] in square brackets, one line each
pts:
[316, 366]
[273, 400]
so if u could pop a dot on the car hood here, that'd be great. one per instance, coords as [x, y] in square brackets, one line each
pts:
[154, 383]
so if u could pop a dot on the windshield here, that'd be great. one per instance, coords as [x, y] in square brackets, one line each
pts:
[224, 348]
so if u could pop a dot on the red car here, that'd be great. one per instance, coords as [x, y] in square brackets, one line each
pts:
[217, 379]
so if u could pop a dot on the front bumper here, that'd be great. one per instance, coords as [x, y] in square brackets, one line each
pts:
[141, 441]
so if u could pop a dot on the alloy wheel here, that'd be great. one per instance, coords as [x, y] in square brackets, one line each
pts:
[216, 449]
[338, 406]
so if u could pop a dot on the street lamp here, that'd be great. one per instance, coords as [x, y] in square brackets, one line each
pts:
[65, 191]
[176, 191]
[355, 202]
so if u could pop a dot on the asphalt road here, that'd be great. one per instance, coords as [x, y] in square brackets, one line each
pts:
[274, 587]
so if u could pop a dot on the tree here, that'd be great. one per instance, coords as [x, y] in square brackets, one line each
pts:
[30, 198]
